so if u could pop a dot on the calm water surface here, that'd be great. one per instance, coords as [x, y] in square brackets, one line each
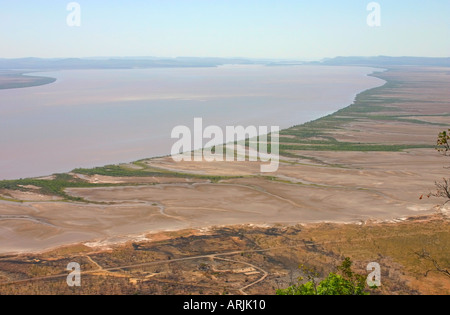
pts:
[91, 118]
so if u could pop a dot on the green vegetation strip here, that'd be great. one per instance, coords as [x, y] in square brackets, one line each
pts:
[54, 187]
[372, 104]
[316, 135]
[143, 171]
[348, 146]
[57, 185]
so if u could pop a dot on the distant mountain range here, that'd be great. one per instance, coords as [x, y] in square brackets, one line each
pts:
[114, 63]
[36, 64]
[386, 61]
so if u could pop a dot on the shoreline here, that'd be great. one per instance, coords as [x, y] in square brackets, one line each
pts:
[131, 161]
[20, 76]
[371, 211]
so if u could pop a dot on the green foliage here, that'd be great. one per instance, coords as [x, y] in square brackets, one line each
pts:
[399, 119]
[344, 282]
[54, 186]
[304, 289]
[350, 146]
[123, 171]
[443, 142]
[116, 171]
[57, 185]
[373, 104]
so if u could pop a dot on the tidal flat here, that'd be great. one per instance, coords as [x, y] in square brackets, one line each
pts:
[90, 118]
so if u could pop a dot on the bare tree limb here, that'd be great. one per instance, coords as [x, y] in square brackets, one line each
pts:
[442, 191]
[443, 188]
[437, 268]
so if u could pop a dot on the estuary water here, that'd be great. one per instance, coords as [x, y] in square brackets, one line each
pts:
[92, 118]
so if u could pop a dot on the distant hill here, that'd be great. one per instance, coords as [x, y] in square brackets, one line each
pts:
[385, 61]
[38, 64]
[115, 63]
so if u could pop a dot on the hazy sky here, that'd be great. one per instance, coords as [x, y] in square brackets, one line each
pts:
[298, 29]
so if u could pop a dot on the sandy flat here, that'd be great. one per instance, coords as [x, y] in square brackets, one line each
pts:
[375, 186]
[333, 187]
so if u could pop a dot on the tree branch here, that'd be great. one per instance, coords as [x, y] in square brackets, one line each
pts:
[426, 256]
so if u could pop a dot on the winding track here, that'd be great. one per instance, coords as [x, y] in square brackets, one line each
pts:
[210, 256]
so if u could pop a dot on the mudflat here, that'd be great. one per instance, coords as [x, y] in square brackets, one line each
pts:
[369, 162]
[15, 79]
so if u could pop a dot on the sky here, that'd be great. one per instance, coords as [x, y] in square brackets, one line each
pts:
[277, 29]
